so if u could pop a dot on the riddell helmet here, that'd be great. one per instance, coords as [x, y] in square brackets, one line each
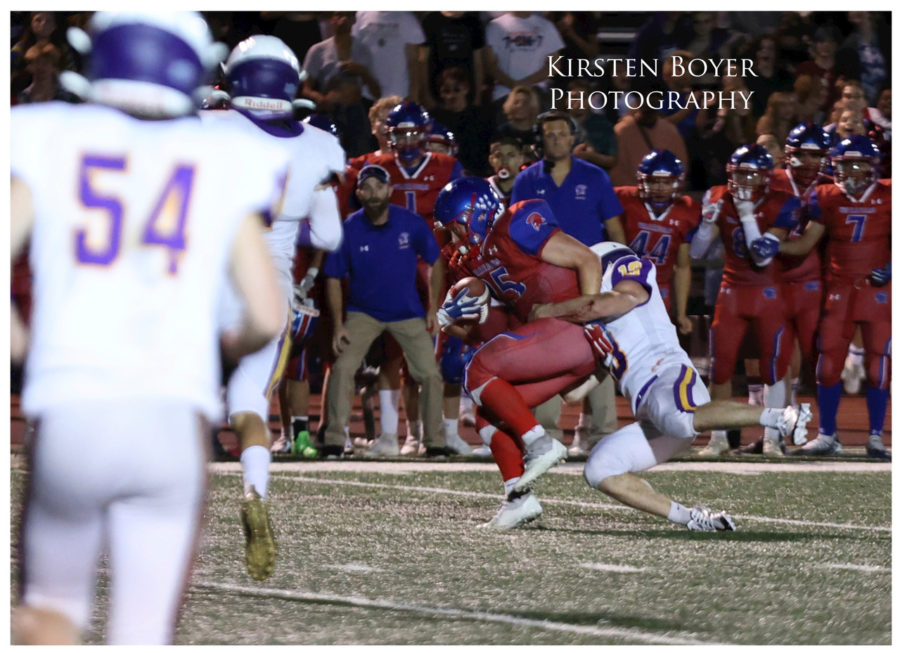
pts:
[811, 139]
[470, 206]
[264, 76]
[660, 166]
[324, 123]
[610, 251]
[150, 64]
[407, 127]
[855, 160]
[441, 136]
[749, 171]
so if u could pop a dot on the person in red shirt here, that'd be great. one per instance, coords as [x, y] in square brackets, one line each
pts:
[744, 211]
[855, 213]
[659, 223]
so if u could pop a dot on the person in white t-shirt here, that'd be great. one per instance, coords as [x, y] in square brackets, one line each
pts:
[519, 43]
[393, 38]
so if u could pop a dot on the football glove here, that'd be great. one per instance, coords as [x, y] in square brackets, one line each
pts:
[462, 307]
[766, 246]
[711, 212]
[881, 276]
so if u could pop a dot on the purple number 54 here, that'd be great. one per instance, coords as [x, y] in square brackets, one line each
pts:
[165, 227]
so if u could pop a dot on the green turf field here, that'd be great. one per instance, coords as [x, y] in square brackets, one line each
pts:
[382, 553]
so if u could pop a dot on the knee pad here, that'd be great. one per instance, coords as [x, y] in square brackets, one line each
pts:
[626, 450]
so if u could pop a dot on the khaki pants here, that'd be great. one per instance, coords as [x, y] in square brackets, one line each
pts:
[414, 339]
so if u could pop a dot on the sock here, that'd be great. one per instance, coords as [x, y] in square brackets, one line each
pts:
[533, 434]
[255, 463]
[504, 401]
[451, 427]
[508, 456]
[717, 435]
[584, 421]
[876, 401]
[770, 417]
[754, 393]
[299, 423]
[389, 403]
[855, 355]
[795, 388]
[829, 399]
[679, 514]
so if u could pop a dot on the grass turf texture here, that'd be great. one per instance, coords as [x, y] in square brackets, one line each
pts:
[396, 558]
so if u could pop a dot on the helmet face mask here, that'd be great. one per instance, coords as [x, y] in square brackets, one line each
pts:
[749, 172]
[660, 178]
[468, 207]
[265, 76]
[854, 176]
[805, 164]
[407, 128]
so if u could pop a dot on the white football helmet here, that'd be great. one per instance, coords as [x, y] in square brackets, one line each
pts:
[264, 74]
[609, 251]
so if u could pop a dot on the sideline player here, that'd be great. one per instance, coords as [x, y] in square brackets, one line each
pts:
[132, 239]
[264, 75]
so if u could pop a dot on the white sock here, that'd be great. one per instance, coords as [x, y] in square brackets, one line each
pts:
[855, 354]
[389, 404]
[754, 391]
[533, 434]
[584, 420]
[255, 463]
[679, 514]
[451, 427]
[487, 433]
[795, 388]
[509, 485]
[770, 417]
[776, 397]
[718, 435]
[413, 430]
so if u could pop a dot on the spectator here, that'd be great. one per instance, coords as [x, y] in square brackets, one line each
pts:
[383, 298]
[453, 39]
[657, 37]
[519, 43]
[770, 75]
[810, 92]
[821, 65]
[863, 47]
[637, 133]
[579, 32]
[738, 122]
[393, 38]
[521, 108]
[471, 125]
[299, 29]
[773, 147]
[685, 119]
[42, 62]
[706, 41]
[780, 116]
[43, 28]
[598, 145]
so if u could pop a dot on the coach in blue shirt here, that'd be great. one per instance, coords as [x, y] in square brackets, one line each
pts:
[586, 208]
[579, 192]
[378, 256]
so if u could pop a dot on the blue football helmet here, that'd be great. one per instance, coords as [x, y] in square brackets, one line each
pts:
[150, 64]
[441, 139]
[468, 207]
[407, 127]
[806, 152]
[660, 178]
[264, 76]
[856, 164]
[749, 172]
[324, 123]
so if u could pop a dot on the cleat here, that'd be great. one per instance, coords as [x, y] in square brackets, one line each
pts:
[705, 520]
[579, 443]
[754, 448]
[821, 446]
[385, 446]
[457, 445]
[411, 447]
[773, 448]
[515, 512]
[261, 549]
[540, 456]
[302, 446]
[875, 449]
[718, 446]
[282, 445]
[793, 423]
[483, 451]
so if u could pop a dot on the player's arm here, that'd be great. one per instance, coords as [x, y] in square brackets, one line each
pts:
[253, 274]
[707, 230]
[608, 305]
[803, 245]
[21, 222]
[566, 252]
[614, 229]
[682, 288]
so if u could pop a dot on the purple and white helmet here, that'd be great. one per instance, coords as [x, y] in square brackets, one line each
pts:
[264, 74]
[151, 64]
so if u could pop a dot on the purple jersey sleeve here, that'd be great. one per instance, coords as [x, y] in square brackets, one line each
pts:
[532, 225]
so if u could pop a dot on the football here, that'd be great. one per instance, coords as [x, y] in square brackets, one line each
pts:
[476, 288]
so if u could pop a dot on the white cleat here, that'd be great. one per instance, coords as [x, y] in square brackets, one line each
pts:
[793, 423]
[718, 446]
[579, 443]
[544, 453]
[483, 451]
[411, 447]
[514, 513]
[821, 446]
[385, 446]
[772, 448]
[705, 520]
[457, 445]
[281, 445]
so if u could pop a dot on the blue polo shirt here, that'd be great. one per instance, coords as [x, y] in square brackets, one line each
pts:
[380, 262]
[583, 203]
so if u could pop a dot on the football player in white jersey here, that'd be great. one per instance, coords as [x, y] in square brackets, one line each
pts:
[633, 338]
[132, 240]
[264, 76]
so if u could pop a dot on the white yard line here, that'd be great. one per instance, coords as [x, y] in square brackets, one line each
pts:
[473, 615]
[600, 505]
[618, 569]
[849, 567]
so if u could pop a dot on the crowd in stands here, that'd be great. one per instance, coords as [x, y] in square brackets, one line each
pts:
[484, 77]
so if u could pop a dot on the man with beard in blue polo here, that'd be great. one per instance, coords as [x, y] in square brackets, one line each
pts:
[587, 209]
[378, 257]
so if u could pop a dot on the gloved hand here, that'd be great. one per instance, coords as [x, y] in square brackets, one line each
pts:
[882, 275]
[301, 290]
[765, 246]
[462, 307]
[710, 212]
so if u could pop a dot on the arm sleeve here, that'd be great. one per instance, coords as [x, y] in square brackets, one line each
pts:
[325, 220]
[702, 239]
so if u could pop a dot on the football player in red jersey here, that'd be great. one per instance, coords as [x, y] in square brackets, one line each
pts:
[659, 223]
[855, 213]
[744, 211]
